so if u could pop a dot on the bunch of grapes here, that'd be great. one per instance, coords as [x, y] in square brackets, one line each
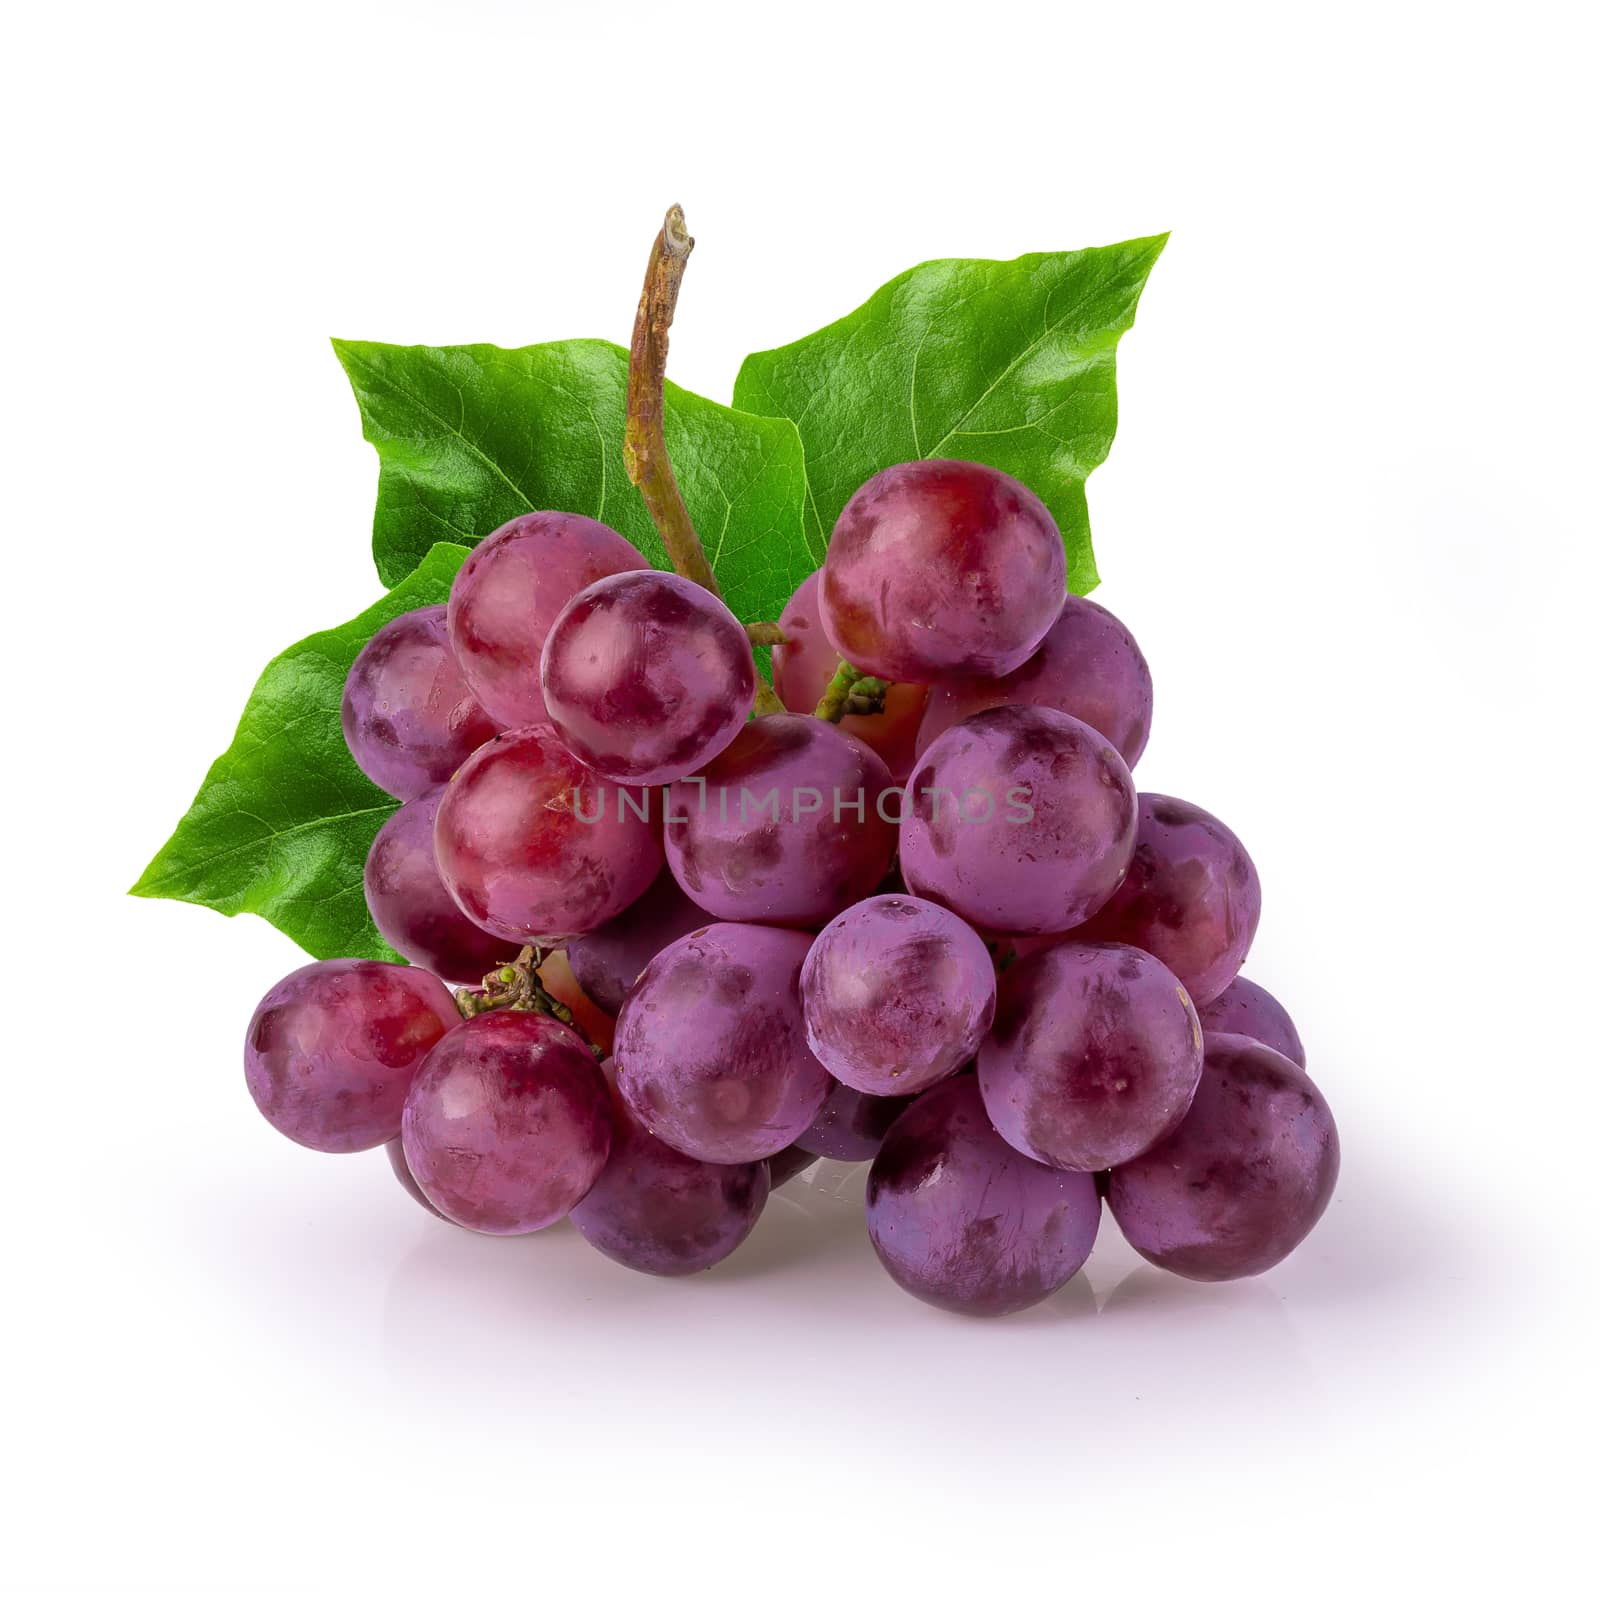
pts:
[918, 917]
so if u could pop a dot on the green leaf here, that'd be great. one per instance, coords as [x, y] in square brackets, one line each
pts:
[1011, 363]
[283, 822]
[472, 435]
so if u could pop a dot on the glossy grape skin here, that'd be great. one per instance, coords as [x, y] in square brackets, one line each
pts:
[941, 569]
[965, 1222]
[1094, 1056]
[517, 856]
[395, 1151]
[332, 1049]
[508, 1123]
[1245, 1177]
[1191, 897]
[897, 993]
[851, 1126]
[659, 1211]
[803, 868]
[510, 591]
[647, 676]
[408, 715]
[711, 1048]
[411, 906]
[607, 962]
[1089, 666]
[804, 665]
[1245, 1007]
[1009, 873]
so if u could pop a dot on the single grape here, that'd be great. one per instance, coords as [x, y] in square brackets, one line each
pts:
[804, 665]
[1021, 820]
[1191, 897]
[897, 992]
[657, 1210]
[533, 847]
[647, 676]
[1088, 666]
[332, 1049]
[1094, 1056]
[607, 962]
[409, 718]
[965, 1222]
[507, 1125]
[711, 1047]
[942, 569]
[411, 906]
[851, 1126]
[1245, 1177]
[789, 824]
[512, 588]
[395, 1151]
[1245, 1007]
[789, 1163]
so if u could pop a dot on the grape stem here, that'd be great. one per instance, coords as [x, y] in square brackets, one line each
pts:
[765, 633]
[851, 694]
[644, 440]
[518, 987]
[644, 443]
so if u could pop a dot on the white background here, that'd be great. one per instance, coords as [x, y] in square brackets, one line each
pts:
[1350, 515]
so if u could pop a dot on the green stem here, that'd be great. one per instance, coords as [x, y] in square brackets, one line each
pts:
[851, 694]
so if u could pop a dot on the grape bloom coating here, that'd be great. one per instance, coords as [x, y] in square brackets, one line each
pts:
[333, 1048]
[1094, 1057]
[647, 676]
[1245, 1177]
[941, 569]
[1089, 666]
[711, 1047]
[898, 992]
[408, 715]
[787, 825]
[510, 591]
[1191, 897]
[659, 1211]
[507, 1126]
[1022, 821]
[965, 1222]
[535, 848]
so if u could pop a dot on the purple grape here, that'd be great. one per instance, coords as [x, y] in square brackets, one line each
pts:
[411, 906]
[942, 569]
[512, 588]
[657, 1210]
[965, 1222]
[804, 664]
[1245, 1007]
[332, 1050]
[789, 1163]
[1088, 666]
[1191, 897]
[647, 676]
[769, 831]
[711, 1047]
[607, 962]
[1021, 820]
[851, 1126]
[409, 718]
[508, 1123]
[1245, 1177]
[1094, 1056]
[395, 1150]
[534, 848]
[898, 992]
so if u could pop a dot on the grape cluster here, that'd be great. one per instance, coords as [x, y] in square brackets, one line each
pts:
[928, 924]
